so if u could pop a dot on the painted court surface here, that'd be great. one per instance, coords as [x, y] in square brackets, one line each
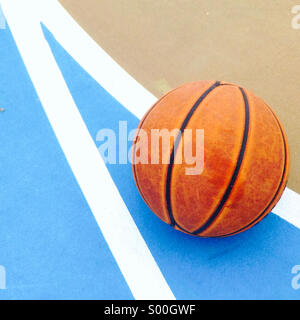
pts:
[72, 227]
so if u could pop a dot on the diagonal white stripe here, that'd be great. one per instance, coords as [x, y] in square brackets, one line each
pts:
[95, 60]
[2, 19]
[133, 96]
[136, 262]
[288, 207]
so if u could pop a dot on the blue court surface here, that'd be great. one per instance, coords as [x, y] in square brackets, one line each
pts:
[52, 243]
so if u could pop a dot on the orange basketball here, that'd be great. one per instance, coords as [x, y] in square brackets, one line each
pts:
[245, 152]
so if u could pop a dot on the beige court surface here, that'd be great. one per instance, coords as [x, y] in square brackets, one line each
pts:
[164, 43]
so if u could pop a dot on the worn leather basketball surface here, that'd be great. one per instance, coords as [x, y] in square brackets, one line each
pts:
[246, 160]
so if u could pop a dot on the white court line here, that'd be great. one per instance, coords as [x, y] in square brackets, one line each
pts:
[2, 19]
[136, 262]
[95, 60]
[288, 207]
[132, 96]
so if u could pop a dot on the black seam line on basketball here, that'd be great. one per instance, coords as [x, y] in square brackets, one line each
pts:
[236, 170]
[134, 146]
[172, 155]
[262, 214]
[278, 189]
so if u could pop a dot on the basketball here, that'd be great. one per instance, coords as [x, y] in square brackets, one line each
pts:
[240, 154]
